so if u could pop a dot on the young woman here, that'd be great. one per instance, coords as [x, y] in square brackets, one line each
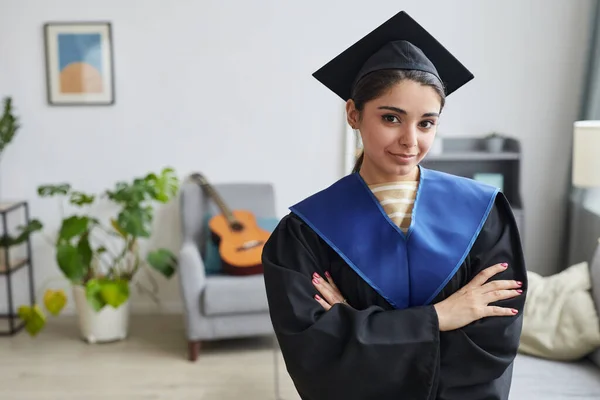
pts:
[397, 282]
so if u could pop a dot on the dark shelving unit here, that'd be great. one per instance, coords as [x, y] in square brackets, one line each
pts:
[9, 267]
[469, 156]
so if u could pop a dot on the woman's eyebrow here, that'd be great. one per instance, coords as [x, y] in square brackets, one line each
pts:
[401, 111]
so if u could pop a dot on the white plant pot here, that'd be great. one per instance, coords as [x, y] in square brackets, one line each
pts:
[107, 325]
[495, 145]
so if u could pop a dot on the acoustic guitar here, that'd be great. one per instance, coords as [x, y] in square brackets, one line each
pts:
[239, 238]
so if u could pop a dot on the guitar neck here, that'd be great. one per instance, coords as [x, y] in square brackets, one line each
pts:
[221, 204]
[216, 198]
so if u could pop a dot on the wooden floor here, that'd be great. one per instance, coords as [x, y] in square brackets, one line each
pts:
[151, 365]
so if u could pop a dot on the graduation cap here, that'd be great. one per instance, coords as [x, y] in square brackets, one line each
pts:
[399, 43]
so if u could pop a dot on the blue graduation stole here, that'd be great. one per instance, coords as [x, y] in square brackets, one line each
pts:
[409, 269]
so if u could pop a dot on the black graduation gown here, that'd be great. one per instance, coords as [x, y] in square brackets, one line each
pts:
[369, 350]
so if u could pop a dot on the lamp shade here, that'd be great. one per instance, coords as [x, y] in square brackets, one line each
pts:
[586, 154]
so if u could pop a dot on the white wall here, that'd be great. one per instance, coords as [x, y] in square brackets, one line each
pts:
[225, 87]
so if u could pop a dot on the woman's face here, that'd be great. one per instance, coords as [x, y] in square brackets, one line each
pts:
[397, 129]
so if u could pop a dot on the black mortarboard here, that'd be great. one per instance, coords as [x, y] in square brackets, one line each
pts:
[399, 43]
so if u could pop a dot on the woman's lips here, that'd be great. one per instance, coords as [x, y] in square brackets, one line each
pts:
[402, 157]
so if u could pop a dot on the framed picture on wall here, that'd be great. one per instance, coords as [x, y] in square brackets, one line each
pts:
[493, 179]
[79, 63]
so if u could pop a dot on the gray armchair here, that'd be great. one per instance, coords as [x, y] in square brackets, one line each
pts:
[220, 306]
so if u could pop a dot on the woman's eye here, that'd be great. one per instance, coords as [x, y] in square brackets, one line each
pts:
[390, 118]
[427, 124]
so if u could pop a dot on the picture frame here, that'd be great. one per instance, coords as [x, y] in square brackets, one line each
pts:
[79, 63]
[492, 179]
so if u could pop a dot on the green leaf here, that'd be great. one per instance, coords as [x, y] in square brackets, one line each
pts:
[93, 290]
[129, 195]
[55, 300]
[85, 250]
[72, 227]
[136, 221]
[135, 218]
[100, 292]
[33, 317]
[117, 228]
[162, 260]
[70, 262]
[166, 185]
[51, 190]
[25, 232]
[8, 124]
[114, 293]
[81, 199]
[161, 187]
[32, 226]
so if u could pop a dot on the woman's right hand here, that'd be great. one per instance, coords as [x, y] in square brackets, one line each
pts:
[470, 303]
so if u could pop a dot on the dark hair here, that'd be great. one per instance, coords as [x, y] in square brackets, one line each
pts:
[377, 83]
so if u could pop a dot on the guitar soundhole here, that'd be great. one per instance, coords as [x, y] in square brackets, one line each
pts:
[236, 227]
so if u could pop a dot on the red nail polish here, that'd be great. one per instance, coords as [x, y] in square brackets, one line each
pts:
[504, 265]
[327, 274]
[317, 297]
[514, 311]
[519, 291]
[315, 280]
[519, 283]
[315, 275]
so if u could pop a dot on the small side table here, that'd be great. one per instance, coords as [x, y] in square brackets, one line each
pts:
[9, 266]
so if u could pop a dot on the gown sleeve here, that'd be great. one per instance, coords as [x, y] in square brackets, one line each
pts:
[343, 353]
[476, 360]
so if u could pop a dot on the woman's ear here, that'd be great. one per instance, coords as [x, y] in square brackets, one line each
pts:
[352, 114]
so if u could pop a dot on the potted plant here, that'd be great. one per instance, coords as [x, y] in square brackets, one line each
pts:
[100, 259]
[494, 142]
[9, 126]
[7, 240]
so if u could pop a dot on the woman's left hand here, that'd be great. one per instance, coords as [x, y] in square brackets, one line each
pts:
[330, 294]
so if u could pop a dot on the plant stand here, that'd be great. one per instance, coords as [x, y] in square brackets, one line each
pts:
[10, 266]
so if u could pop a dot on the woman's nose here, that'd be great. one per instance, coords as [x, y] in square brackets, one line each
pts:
[409, 137]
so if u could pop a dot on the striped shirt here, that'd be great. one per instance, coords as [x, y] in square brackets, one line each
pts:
[397, 200]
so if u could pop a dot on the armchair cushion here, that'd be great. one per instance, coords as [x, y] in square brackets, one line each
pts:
[212, 259]
[234, 295]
